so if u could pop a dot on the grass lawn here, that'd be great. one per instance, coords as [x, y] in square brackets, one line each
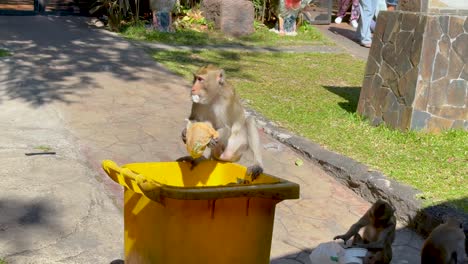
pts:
[4, 53]
[316, 96]
[307, 35]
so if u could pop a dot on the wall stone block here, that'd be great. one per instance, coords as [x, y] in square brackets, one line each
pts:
[376, 50]
[405, 118]
[444, 23]
[456, 92]
[407, 86]
[456, 26]
[460, 46]
[416, 48]
[440, 67]
[455, 66]
[422, 96]
[433, 29]
[391, 27]
[409, 21]
[372, 66]
[427, 59]
[445, 45]
[438, 124]
[449, 112]
[419, 120]
[460, 124]
[388, 54]
[438, 92]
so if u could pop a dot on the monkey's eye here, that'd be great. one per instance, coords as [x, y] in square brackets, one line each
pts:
[200, 79]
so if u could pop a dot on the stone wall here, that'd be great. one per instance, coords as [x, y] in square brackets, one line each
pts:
[233, 17]
[417, 72]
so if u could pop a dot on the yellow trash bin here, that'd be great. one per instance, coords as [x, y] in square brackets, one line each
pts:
[211, 214]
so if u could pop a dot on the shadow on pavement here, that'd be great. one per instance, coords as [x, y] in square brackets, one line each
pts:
[351, 94]
[348, 33]
[20, 219]
[51, 58]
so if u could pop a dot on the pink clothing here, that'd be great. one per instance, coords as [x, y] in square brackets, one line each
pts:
[355, 11]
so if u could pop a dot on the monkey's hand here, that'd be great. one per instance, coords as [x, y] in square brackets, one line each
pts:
[254, 171]
[193, 162]
[343, 237]
[213, 143]
[184, 135]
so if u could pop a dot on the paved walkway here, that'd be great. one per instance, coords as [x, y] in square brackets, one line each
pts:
[91, 96]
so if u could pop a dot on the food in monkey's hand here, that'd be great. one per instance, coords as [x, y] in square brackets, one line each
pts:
[199, 135]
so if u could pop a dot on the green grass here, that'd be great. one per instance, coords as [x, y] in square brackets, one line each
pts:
[307, 35]
[316, 95]
[4, 53]
[2, 261]
[43, 148]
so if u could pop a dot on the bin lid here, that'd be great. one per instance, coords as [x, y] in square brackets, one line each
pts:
[207, 181]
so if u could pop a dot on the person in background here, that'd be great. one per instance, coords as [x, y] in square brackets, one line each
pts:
[391, 5]
[368, 8]
[381, 6]
[355, 12]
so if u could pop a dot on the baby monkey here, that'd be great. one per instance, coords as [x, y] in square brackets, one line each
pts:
[379, 225]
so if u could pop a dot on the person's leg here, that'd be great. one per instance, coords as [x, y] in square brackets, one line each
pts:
[367, 13]
[344, 5]
[355, 12]
[155, 20]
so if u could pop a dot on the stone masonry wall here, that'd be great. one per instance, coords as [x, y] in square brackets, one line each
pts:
[417, 72]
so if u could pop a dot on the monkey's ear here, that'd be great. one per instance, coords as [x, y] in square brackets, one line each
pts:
[220, 77]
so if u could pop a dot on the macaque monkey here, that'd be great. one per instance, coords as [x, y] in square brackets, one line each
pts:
[216, 102]
[379, 225]
[445, 244]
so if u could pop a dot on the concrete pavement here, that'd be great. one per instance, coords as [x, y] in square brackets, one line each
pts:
[91, 96]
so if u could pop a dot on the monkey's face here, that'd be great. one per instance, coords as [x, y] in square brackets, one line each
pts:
[382, 212]
[206, 87]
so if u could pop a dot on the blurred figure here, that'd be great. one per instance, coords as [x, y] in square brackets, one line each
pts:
[287, 12]
[162, 17]
[368, 8]
[391, 5]
[355, 12]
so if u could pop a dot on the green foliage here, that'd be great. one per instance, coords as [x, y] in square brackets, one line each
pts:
[115, 10]
[2, 261]
[306, 27]
[192, 19]
[4, 53]
[316, 96]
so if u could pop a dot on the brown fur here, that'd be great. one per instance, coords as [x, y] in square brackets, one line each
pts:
[445, 244]
[379, 225]
[219, 104]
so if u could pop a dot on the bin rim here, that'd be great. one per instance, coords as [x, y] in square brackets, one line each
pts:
[281, 190]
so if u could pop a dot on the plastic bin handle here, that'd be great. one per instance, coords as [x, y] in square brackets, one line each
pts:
[136, 182]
